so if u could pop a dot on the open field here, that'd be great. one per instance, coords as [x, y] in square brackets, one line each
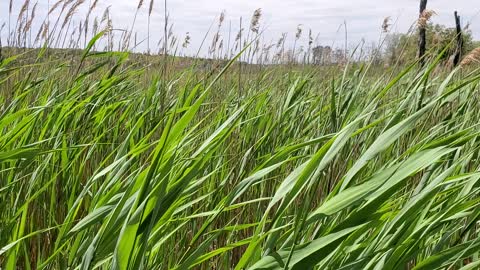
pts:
[112, 160]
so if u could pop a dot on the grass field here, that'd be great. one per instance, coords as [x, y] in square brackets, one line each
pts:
[110, 163]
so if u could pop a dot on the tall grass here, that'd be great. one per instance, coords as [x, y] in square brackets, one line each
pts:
[105, 164]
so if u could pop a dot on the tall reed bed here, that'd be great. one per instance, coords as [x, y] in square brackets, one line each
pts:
[106, 163]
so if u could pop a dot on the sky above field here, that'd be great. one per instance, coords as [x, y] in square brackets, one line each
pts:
[364, 17]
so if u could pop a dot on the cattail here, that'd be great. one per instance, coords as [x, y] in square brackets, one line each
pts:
[254, 24]
[150, 8]
[10, 7]
[386, 24]
[425, 17]
[472, 58]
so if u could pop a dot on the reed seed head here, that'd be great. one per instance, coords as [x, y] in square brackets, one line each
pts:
[255, 23]
[472, 58]
[425, 17]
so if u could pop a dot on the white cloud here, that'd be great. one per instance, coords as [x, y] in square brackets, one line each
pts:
[364, 17]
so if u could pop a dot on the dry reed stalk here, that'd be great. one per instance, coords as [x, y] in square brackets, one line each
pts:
[10, 10]
[150, 10]
[87, 19]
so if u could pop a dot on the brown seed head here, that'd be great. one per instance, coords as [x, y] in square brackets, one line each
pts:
[299, 32]
[472, 58]
[150, 8]
[386, 24]
[425, 17]
[140, 4]
[254, 24]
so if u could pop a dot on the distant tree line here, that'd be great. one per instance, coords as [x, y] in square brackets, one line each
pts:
[401, 48]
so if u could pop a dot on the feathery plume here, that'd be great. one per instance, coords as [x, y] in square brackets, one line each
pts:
[72, 11]
[150, 8]
[254, 24]
[186, 42]
[32, 16]
[281, 40]
[95, 26]
[386, 24]
[299, 32]
[310, 37]
[24, 8]
[140, 4]
[39, 33]
[106, 14]
[55, 6]
[92, 7]
[425, 17]
[222, 18]
[472, 58]
[239, 35]
[45, 31]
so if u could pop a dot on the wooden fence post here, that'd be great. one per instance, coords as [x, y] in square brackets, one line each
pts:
[458, 50]
[422, 43]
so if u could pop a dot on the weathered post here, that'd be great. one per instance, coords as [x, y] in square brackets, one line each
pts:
[458, 50]
[422, 32]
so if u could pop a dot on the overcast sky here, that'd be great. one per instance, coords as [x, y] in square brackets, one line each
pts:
[364, 17]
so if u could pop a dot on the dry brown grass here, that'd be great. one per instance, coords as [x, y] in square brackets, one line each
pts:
[472, 58]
